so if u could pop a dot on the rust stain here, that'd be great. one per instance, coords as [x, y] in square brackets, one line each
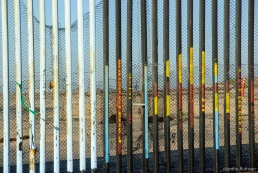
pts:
[203, 97]
[119, 105]
[239, 102]
[181, 120]
[167, 88]
[14, 139]
[32, 159]
[51, 84]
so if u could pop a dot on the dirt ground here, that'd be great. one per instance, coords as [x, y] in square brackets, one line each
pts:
[137, 123]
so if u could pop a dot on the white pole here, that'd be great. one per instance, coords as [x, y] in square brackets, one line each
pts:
[31, 85]
[42, 86]
[6, 101]
[93, 87]
[69, 127]
[18, 80]
[56, 85]
[81, 85]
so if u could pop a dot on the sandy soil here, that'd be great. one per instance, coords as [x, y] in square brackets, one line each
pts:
[137, 123]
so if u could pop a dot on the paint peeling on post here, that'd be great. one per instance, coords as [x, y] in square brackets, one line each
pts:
[190, 86]
[19, 80]
[56, 86]
[31, 83]
[239, 102]
[32, 159]
[155, 86]
[81, 86]
[166, 87]
[251, 120]
[202, 81]
[93, 87]
[6, 101]
[129, 72]
[238, 98]
[191, 92]
[42, 86]
[69, 125]
[119, 106]
[226, 85]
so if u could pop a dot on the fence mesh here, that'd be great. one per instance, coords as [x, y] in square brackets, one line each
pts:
[137, 83]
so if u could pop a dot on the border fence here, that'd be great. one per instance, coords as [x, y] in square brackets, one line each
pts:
[130, 86]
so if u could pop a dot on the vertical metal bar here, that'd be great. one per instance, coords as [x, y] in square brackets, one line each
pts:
[215, 85]
[6, 101]
[106, 83]
[81, 88]
[129, 86]
[226, 86]
[166, 85]
[144, 85]
[69, 125]
[18, 91]
[119, 89]
[56, 85]
[251, 83]
[190, 87]
[42, 26]
[93, 87]
[155, 86]
[202, 84]
[179, 86]
[238, 86]
[31, 85]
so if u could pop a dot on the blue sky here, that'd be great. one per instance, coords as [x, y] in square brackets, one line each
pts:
[136, 52]
[48, 5]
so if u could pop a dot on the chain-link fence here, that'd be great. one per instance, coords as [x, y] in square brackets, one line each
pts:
[137, 82]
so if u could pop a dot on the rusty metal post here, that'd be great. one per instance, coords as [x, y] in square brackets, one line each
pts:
[119, 89]
[155, 86]
[251, 84]
[6, 100]
[226, 86]
[238, 97]
[190, 87]
[93, 87]
[166, 85]
[129, 86]
[202, 85]
[31, 85]
[69, 118]
[18, 91]
[81, 86]
[56, 85]
[179, 85]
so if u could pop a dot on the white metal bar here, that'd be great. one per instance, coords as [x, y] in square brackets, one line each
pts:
[18, 80]
[69, 125]
[138, 104]
[56, 86]
[93, 86]
[42, 86]
[31, 84]
[81, 85]
[6, 101]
